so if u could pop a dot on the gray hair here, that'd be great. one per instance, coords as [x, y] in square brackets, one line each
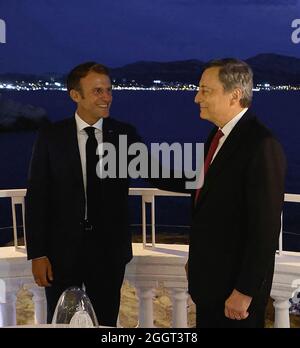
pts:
[235, 73]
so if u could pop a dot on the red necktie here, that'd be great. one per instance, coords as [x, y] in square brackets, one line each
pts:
[212, 149]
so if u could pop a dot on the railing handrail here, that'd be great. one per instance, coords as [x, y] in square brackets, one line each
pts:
[133, 191]
[292, 197]
[148, 196]
[136, 191]
[139, 191]
[13, 193]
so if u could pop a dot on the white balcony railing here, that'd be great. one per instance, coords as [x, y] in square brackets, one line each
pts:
[152, 265]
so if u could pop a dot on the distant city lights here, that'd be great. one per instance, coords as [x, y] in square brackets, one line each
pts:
[158, 85]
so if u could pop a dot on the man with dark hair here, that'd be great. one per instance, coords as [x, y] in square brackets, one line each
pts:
[76, 222]
[237, 212]
[80, 71]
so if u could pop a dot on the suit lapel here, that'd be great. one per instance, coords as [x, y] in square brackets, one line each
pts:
[206, 148]
[231, 144]
[72, 151]
[109, 133]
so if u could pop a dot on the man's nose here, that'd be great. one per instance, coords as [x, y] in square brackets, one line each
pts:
[197, 98]
[107, 96]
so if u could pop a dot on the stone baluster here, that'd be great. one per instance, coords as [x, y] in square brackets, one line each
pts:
[119, 322]
[40, 305]
[179, 300]
[282, 316]
[282, 290]
[8, 309]
[145, 295]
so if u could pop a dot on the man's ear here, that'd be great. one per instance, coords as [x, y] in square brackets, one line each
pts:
[75, 95]
[236, 96]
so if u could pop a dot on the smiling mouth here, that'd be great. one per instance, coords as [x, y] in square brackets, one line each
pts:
[103, 106]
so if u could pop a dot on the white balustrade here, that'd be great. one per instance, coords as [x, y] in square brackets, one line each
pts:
[151, 266]
[17, 198]
[286, 281]
[148, 196]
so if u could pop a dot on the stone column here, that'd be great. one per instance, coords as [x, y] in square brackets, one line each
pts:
[8, 315]
[179, 299]
[145, 295]
[282, 315]
[40, 305]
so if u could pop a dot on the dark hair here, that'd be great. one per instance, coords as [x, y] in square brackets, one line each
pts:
[81, 71]
[235, 73]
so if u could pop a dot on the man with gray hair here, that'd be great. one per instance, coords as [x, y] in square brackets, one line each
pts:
[237, 211]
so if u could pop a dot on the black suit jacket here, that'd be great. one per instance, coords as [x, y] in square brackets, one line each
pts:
[236, 221]
[55, 203]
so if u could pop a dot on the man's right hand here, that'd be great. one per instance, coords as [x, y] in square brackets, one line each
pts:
[42, 271]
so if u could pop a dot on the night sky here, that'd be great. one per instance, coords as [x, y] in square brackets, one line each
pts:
[54, 35]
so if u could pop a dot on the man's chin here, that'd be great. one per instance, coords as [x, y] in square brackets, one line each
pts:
[104, 115]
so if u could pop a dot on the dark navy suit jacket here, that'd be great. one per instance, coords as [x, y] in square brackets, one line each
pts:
[55, 203]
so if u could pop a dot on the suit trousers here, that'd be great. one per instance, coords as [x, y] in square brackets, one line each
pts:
[103, 289]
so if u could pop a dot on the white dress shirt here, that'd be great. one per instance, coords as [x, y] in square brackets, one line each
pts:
[227, 129]
[82, 138]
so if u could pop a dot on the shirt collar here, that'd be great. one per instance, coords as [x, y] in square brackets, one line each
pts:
[82, 124]
[230, 125]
